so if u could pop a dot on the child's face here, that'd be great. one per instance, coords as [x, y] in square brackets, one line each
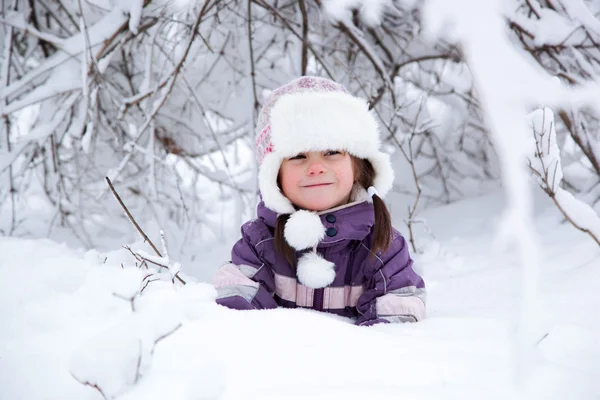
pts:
[317, 180]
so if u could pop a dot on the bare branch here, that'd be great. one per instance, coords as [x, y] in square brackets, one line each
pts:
[166, 335]
[5, 81]
[304, 61]
[93, 386]
[168, 90]
[291, 29]
[135, 224]
[256, 105]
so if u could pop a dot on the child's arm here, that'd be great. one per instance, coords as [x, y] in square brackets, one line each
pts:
[395, 292]
[247, 282]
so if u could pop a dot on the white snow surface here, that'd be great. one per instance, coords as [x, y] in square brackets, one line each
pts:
[66, 318]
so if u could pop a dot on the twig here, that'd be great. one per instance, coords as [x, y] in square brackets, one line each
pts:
[137, 257]
[412, 210]
[55, 17]
[139, 229]
[138, 367]
[92, 385]
[304, 37]
[356, 35]
[585, 147]
[540, 340]
[164, 244]
[149, 281]
[277, 14]
[131, 300]
[533, 9]
[172, 78]
[165, 335]
[548, 186]
[8, 47]
[147, 260]
[256, 105]
[558, 205]
[45, 38]
[66, 11]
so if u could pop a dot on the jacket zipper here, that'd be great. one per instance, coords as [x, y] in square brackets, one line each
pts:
[318, 299]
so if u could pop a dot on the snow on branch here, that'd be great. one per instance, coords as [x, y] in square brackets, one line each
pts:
[545, 165]
[163, 96]
[135, 14]
[18, 21]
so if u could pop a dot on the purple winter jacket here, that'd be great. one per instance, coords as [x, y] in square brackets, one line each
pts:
[383, 288]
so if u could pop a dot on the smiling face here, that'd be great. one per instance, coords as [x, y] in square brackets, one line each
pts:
[317, 180]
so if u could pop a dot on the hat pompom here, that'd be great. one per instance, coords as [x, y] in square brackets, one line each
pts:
[304, 230]
[314, 271]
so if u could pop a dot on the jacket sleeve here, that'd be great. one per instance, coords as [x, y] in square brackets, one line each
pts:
[394, 292]
[247, 282]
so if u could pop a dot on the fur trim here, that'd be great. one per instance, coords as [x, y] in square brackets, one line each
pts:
[314, 271]
[304, 230]
[276, 201]
[316, 121]
[359, 194]
[267, 183]
[384, 173]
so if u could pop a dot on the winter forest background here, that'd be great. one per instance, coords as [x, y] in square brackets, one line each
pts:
[490, 110]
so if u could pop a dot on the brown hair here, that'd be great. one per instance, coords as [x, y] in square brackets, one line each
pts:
[364, 174]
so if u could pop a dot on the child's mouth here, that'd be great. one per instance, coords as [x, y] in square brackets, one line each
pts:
[317, 185]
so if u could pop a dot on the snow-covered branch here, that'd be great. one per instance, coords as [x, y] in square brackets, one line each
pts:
[545, 164]
[161, 98]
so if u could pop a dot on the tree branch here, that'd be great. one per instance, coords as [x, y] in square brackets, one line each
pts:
[135, 224]
[304, 37]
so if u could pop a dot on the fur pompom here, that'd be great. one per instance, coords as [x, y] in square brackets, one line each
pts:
[314, 271]
[304, 230]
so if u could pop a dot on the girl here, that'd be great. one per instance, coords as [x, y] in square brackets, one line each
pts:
[323, 237]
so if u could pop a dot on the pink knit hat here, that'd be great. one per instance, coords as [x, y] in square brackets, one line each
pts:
[315, 114]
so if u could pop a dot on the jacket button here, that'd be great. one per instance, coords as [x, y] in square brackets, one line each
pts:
[330, 218]
[331, 232]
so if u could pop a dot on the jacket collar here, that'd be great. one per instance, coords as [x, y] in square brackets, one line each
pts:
[352, 221]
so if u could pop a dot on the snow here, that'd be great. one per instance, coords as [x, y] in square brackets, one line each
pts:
[581, 213]
[544, 159]
[340, 10]
[579, 11]
[98, 33]
[88, 325]
[552, 28]
[17, 20]
[504, 103]
[66, 318]
[86, 140]
[135, 14]
[369, 11]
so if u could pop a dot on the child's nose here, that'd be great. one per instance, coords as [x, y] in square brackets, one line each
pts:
[316, 168]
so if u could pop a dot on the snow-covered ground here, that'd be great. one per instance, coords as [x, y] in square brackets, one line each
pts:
[64, 317]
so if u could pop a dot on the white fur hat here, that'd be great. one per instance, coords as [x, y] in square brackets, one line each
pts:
[314, 114]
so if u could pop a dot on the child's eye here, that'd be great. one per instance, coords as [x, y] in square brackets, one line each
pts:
[332, 152]
[298, 157]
